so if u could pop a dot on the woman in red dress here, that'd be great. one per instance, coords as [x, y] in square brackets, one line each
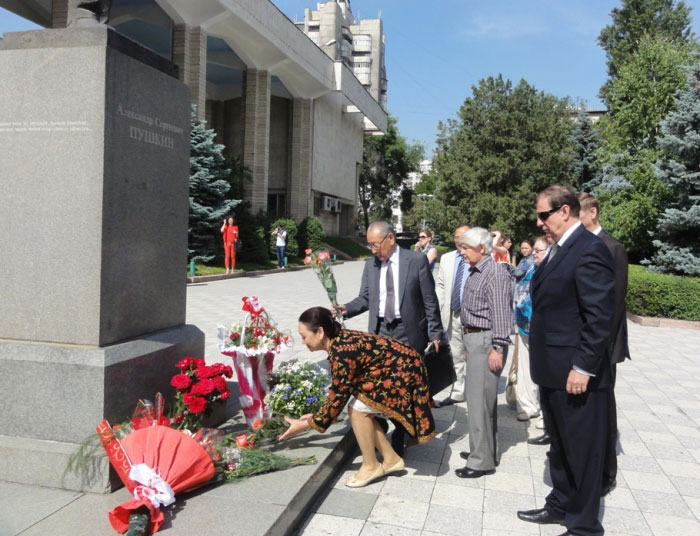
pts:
[374, 375]
[229, 230]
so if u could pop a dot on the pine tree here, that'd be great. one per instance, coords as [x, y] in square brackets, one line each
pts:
[586, 142]
[678, 247]
[209, 186]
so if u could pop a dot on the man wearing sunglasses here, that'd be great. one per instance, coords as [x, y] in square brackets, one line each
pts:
[573, 301]
[398, 290]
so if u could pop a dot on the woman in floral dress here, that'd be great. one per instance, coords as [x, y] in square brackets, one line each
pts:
[373, 375]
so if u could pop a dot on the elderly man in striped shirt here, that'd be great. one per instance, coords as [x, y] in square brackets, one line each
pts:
[487, 321]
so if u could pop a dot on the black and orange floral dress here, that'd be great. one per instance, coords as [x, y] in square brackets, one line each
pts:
[384, 374]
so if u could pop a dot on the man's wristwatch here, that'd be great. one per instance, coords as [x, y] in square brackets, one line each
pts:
[499, 349]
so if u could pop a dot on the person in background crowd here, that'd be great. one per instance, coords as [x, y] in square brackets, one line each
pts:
[499, 253]
[229, 230]
[507, 245]
[526, 397]
[573, 302]
[526, 262]
[590, 212]
[487, 321]
[452, 274]
[425, 246]
[362, 365]
[280, 244]
[398, 290]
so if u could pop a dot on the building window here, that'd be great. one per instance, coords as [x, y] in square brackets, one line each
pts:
[276, 205]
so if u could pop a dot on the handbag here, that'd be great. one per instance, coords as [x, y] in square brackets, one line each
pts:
[512, 377]
[238, 246]
[441, 371]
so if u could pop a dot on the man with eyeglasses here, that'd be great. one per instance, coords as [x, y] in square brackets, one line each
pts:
[399, 292]
[573, 300]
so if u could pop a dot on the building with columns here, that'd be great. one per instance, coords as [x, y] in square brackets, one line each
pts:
[294, 115]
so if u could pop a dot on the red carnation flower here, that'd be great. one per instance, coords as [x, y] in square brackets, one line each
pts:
[225, 395]
[187, 398]
[184, 364]
[204, 372]
[197, 405]
[204, 387]
[219, 384]
[228, 371]
[198, 362]
[181, 382]
[257, 424]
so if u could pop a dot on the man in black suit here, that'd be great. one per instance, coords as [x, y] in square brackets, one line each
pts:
[573, 297]
[619, 351]
[399, 292]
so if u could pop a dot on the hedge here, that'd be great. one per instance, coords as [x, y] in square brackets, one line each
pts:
[661, 295]
[311, 234]
[292, 246]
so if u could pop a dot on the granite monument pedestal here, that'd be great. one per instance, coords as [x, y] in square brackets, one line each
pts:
[95, 136]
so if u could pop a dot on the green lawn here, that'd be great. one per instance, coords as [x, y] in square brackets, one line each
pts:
[203, 269]
[348, 247]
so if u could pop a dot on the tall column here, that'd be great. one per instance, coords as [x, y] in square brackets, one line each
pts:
[62, 12]
[300, 205]
[256, 135]
[190, 55]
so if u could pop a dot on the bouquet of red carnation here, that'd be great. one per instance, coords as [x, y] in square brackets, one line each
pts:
[198, 387]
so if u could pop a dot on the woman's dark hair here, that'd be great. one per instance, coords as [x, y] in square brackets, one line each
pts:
[528, 241]
[320, 317]
[231, 218]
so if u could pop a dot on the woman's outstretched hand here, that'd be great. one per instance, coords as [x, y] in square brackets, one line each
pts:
[296, 426]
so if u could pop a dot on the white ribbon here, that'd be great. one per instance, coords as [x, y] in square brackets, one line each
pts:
[153, 487]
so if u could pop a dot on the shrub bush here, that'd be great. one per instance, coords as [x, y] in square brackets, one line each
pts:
[253, 232]
[311, 234]
[292, 246]
[660, 295]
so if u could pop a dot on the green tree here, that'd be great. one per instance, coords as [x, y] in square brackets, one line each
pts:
[643, 93]
[506, 144]
[209, 187]
[586, 142]
[632, 21]
[678, 249]
[387, 160]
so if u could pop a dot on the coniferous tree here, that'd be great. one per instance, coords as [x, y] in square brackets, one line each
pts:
[585, 142]
[678, 247]
[209, 186]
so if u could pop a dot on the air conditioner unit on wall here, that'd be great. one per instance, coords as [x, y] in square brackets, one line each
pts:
[337, 206]
[327, 203]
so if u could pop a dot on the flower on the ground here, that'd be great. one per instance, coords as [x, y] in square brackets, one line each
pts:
[198, 387]
[296, 388]
[181, 381]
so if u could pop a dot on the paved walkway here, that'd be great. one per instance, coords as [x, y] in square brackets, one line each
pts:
[658, 395]
[658, 490]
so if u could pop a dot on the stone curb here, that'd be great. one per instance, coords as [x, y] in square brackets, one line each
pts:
[219, 277]
[662, 322]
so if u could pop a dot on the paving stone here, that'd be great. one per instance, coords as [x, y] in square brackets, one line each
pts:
[504, 502]
[325, 525]
[343, 503]
[694, 505]
[453, 521]
[684, 469]
[688, 487]
[458, 496]
[665, 525]
[627, 521]
[379, 529]
[511, 482]
[661, 503]
[620, 498]
[648, 481]
[509, 522]
[404, 488]
[399, 512]
[643, 464]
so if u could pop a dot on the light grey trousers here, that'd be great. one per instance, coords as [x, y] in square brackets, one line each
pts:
[481, 394]
[457, 350]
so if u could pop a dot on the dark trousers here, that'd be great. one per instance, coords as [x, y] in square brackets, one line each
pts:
[578, 427]
[395, 330]
[280, 256]
[610, 465]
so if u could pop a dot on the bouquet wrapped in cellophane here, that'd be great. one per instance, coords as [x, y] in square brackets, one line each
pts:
[320, 262]
[253, 345]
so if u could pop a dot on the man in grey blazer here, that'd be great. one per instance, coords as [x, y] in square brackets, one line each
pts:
[452, 274]
[619, 351]
[398, 290]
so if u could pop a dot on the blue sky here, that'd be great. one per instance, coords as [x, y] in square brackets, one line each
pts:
[435, 51]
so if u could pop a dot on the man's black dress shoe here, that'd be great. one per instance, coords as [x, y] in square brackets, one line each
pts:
[448, 402]
[543, 516]
[544, 439]
[466, 472]
[464, 455]
[608, 487]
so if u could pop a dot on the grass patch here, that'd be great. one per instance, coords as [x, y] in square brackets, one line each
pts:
[203, 269]
[349, 247]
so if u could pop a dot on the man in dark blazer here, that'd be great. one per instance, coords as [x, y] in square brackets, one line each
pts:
[619, 351]
[413, 315]
[573, 295]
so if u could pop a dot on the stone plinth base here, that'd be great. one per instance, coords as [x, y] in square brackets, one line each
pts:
[55, 395]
